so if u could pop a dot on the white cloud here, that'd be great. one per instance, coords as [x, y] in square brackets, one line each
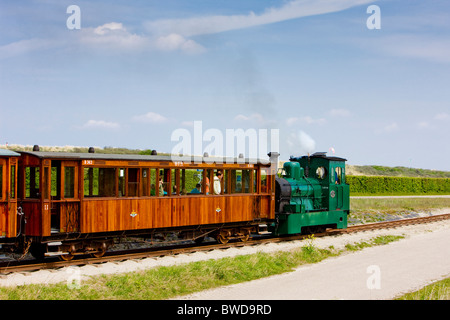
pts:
[391, 127]
[107, 27]
[255, 118]
[151, 117]
[215, 24]
[414, 46]
[340, 113]
[174, 42]
[423, 124]
[305, 120]
[101, 124]
[113, 35]
[24, 46]
[442, 116]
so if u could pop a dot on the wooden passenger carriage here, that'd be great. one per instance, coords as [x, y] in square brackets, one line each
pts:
[83, 200]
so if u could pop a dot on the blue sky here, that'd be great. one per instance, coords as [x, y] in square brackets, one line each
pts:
[138, 70]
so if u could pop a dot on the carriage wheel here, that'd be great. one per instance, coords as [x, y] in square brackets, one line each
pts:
[245, 237]
[222, 239]
[100, 253]
[66, 257]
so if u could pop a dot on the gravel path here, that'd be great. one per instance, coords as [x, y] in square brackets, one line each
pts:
[419, 240]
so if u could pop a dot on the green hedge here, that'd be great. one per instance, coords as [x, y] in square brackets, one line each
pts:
[397, 185]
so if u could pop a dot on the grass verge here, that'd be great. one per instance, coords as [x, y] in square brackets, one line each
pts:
[171, 281]
[376, 209]
[439, 290]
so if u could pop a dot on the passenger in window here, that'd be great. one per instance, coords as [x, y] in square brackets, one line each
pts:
[217, 182]
[161, 187]
[197, 189]
[207, 185]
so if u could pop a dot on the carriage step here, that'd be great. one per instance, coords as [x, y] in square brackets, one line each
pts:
[263, 229]
[55, 253]
[55, 243]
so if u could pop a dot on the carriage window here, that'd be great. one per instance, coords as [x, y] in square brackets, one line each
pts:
[145, 178]
[1, 182]
[45, 185]
[241, 181]
[69, 182]
[32, 182]
[247, 186]
[217, 182]
[264, 180]
[99, 182]
[190, 181]
[164, 182]
[13, 182]
[122, 182]
[133, 182]
[153, 182]
[174, 179]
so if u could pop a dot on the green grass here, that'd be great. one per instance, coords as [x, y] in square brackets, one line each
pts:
[374, 170]
[439, 290]
[378, 241]
[374, 209]
[171, 281]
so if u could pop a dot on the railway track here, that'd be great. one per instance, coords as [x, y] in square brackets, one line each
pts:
[117, 256]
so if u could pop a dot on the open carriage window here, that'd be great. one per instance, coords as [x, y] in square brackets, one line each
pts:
[32, 183]
[265, 180]
[133, 182]
[99, 182]
[69, 182]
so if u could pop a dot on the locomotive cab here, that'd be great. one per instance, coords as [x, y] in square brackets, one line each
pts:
[311, 195]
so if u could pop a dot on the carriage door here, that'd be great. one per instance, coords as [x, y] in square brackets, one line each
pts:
[8, 197]
[3, 198]
[65, 204]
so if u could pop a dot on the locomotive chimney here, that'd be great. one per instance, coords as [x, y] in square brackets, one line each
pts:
[91, 150]
[36, 147]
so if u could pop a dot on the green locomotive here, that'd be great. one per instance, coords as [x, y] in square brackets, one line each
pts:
[311, 195]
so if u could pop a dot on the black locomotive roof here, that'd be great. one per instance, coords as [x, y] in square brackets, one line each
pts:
[137, 157]
[322, 155]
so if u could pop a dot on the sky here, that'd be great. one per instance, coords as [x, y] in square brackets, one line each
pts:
[369, 84]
